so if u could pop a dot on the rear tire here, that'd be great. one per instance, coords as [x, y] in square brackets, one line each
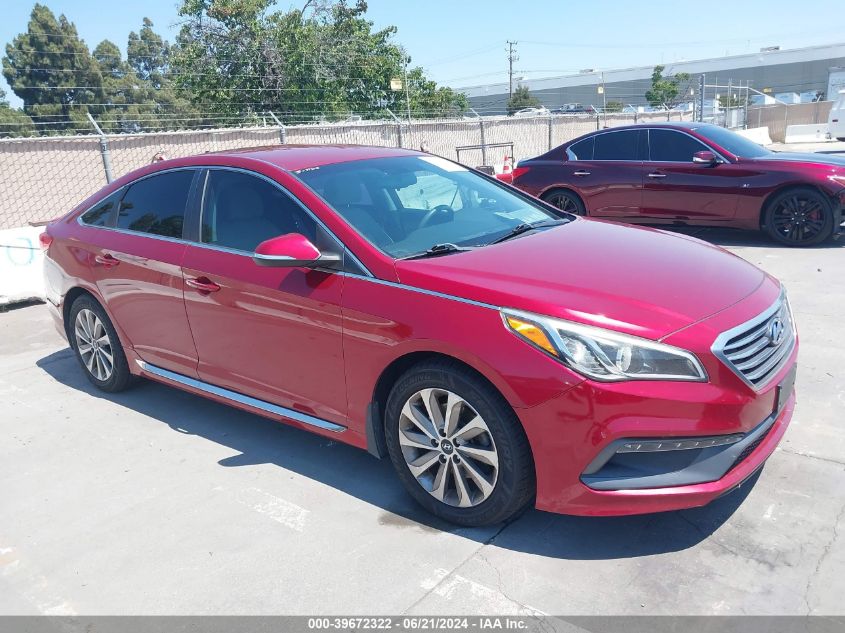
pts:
[471, 460]
[799, 217]
[97, 346]
[565, 200]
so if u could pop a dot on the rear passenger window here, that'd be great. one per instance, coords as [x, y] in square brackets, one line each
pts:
[103, 213]
[582, 150]
[622, 145]
[156, 205]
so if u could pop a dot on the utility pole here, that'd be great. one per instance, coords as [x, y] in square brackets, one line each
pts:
[701, 87]
[511, 59]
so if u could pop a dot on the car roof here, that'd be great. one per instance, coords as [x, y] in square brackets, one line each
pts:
[296, 157]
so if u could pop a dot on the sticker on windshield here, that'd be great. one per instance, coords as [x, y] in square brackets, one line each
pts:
[442, 163]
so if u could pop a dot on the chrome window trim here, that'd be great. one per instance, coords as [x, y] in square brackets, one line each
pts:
[286, 192]
[240, 398]
[707, 148]
[718, 345]
[224, 249]
[126, 186]
[647, 129]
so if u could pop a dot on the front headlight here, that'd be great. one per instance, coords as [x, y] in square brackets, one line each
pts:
[602, 354]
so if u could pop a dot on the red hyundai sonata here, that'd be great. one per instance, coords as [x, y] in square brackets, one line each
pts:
[692, 174]
[499, 351]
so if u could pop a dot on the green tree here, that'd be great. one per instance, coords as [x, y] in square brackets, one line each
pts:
[522, 98]
[240, 58]
[50, 68]
[665, 91]
[13, 122]
[615, 106]
[148, 55]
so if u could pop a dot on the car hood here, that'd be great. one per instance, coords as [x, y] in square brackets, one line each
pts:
[639, 281]
[805, 157]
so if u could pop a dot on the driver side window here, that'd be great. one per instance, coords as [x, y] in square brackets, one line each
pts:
[240, 211]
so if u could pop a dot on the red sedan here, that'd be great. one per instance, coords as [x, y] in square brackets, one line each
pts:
[691, 174]
[406, 305]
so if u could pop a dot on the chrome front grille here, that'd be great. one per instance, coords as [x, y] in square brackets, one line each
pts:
[757, 349]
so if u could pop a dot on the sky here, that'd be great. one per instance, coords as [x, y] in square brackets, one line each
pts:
[463, 42]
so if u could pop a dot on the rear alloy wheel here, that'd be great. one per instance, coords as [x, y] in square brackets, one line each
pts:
[94, 339]
[565, 201]
[799, 217]
[457, 446]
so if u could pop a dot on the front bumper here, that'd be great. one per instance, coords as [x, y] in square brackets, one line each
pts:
[561, 488]
[576, 437]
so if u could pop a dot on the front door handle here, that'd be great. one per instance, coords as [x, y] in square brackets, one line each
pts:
[107, 260]
[656, 174]
[203, 284]
[580, 172]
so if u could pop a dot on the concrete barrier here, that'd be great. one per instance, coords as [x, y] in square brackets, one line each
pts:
[759, 135]
[808, 133]
[21, 265]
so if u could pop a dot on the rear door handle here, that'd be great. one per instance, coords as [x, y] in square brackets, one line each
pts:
[580, 172]
[203, 284]
[107, 260]
[656, 174]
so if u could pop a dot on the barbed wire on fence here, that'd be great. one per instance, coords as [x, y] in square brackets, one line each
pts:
[44, 177]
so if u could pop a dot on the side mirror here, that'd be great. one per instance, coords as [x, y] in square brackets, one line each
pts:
[291, 251]
[705, 158]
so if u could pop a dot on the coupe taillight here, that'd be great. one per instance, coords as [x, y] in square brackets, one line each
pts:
[519, 171]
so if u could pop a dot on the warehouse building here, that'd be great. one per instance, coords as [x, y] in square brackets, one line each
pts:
[812, 72]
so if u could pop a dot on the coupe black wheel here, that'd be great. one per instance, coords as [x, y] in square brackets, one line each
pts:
[457, 446]
[94, 339]
[565, 201]
[799, 217]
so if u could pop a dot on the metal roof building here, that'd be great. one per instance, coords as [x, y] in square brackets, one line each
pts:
[770, 70]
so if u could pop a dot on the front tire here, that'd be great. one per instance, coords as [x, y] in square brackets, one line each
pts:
[457, 446]
[799, 217]
[97, 346]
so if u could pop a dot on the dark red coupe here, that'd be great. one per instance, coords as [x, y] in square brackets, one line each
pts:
[691, 174]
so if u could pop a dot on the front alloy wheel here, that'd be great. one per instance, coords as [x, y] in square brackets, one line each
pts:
[448, 448]
[800, 217]
[456, 444]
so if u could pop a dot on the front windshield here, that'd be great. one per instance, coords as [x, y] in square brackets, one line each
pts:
[732, 142]
[405, 205]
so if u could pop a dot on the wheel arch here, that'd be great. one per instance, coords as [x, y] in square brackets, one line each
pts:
[767, 201]
[376, 408]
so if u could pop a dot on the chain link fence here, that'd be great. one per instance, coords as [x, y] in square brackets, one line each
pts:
[43, 178]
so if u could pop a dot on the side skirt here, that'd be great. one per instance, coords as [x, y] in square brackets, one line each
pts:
[239, 398]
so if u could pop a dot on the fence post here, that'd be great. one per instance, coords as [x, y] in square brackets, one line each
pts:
[104, 150]
[483, 142]
[551, 128]
[283, 136]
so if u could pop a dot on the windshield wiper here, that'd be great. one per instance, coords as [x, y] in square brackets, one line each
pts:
[439, 249]
[524, 227]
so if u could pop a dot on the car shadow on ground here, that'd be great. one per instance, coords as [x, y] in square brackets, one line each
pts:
[352, 471]
[723, 236]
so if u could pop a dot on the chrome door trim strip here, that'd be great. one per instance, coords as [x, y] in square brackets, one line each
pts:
[234, 396]
[431, 293]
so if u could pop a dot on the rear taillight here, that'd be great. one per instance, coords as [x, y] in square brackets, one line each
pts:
[45, 239]
[519, 171]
